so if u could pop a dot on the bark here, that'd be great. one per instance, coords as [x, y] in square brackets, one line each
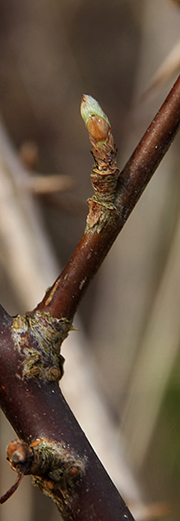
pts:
[53, 447]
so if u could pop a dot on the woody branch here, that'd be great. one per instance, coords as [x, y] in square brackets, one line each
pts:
[53, 448]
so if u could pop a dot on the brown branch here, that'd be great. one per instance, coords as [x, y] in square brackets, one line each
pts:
[34, 405]
[65, 295]
[11, 491]
[57, 453]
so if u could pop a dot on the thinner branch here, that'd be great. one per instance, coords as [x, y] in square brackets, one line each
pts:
[29, 350]
[116, 194]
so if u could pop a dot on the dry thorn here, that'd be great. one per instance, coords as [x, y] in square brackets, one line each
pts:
[11, 490]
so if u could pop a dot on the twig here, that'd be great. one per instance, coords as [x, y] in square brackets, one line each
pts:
[25, 221]
[106, 221]
[30, 363]
[11, 491]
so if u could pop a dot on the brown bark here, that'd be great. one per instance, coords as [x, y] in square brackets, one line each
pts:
[64, 296]
[37, 410]
[56, 451]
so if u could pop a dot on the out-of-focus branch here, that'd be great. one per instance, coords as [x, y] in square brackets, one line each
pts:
[40, 185]
[25, 252]
[159, 348]
[166, 70]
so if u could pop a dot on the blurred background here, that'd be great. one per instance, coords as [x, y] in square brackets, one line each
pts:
[123, 365]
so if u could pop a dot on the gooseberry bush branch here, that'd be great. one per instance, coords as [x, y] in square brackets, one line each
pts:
[51, 446]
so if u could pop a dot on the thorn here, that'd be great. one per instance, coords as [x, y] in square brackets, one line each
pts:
[11, 490]
[72, 328]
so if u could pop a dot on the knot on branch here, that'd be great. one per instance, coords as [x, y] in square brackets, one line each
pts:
[54, 467]
[104, 177]
[105, 173]
[45, 458]
[38, 337]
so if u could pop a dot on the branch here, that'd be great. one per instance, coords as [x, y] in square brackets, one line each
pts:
[24, 221]
[109, 212]
[33, 403]
[54, 449]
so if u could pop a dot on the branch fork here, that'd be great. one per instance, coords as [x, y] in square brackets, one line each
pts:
[54, 449]
[38, 338]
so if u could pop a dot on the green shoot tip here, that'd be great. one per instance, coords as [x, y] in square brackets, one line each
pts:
[94, 118]
[90, 107]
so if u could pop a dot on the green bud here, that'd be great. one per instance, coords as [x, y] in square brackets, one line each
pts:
[90, 107]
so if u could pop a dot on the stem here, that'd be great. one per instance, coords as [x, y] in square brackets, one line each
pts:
[65, 466]
[38, 412]
[63, 298]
